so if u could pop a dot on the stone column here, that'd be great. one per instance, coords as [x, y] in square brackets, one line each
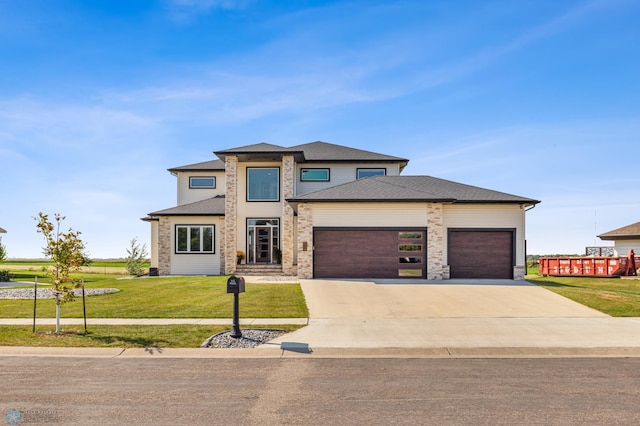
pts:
[164, 246]
[435, 242]
[223, 260]
[287, 243]
[305, 241]
[230, 214]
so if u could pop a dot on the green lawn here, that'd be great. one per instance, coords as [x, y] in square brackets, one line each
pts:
[125, 336]
[613, 296]
[166, 297]
[162, 297]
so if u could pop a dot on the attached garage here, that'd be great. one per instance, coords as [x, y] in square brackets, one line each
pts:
[481, 253]
[369, 253]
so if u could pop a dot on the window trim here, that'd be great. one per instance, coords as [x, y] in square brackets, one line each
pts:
[195, 225]
[384, 169]
[191, 186]
[302, 170]
[277, 200]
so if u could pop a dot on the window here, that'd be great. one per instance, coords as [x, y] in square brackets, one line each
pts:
[263, 184]
[410, 259]
[414, 273]
[365, 173]
[195, 239]
[202, 182]
[410, 235]
[314, 175]
[410, 247]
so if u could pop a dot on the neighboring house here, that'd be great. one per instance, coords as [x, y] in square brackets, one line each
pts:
[2, 231]
[625, 238]
[320, 210]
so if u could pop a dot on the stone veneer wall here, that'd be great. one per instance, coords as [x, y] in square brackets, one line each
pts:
[164, 246]
[435, 243]
[519, 272]
[230, 213]
[305, 238]
[287, 242]
[223, 250]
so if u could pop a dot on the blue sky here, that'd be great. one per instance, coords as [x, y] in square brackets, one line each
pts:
[535, 98]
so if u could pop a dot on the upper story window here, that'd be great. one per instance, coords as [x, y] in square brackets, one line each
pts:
[314, 175]
[365, 173]
[263, 184]
[202, 182]
[195, 239]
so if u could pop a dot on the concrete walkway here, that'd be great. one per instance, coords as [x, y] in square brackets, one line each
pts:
[415, 319]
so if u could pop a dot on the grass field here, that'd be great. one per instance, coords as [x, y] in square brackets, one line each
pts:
[168, 297]
[613, 296]
[121, 336]
[158, 297]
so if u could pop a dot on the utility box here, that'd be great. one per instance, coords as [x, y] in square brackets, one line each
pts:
[235, 285]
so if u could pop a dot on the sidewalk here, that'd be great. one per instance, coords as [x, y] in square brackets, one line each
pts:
[153, 321]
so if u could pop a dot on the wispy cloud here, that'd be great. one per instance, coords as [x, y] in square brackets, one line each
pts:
[186, 10]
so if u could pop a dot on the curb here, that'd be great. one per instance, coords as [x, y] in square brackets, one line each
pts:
[283, 351]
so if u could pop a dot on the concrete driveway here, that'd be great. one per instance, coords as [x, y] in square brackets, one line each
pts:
[382, 299]
[455, 318]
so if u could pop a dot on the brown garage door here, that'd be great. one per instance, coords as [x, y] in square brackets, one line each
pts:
[369, 253]
[481, 253]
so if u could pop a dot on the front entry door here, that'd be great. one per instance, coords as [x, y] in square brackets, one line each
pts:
[264, 245]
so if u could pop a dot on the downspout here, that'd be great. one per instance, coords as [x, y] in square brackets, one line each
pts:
[525, 241]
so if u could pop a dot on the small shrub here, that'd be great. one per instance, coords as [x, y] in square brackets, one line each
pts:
[5, 276]
[136, 257]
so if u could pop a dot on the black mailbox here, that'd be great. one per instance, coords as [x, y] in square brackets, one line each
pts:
[235, 284]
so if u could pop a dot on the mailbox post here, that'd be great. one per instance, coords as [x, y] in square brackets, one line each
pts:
[235, 285]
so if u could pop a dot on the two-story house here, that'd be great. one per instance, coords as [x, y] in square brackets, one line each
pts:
[320, 210]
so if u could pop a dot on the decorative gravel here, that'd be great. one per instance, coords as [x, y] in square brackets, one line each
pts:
[46, 293]
[251, 337]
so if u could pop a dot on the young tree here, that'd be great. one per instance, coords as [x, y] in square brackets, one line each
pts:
[66, 249]
[4, 275]
[3, 252]
[136, 256]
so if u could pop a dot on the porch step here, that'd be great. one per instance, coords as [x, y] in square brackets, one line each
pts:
[267, 270]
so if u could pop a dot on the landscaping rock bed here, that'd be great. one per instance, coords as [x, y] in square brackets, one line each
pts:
[251, 338]
[47, 293]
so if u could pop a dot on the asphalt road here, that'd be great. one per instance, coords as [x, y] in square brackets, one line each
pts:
[49, 390]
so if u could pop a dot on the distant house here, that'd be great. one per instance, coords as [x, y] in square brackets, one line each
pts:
[320, 210]
[2, 231]
[625, 238]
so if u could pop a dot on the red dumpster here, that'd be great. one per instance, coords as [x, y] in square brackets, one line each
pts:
[586, 266]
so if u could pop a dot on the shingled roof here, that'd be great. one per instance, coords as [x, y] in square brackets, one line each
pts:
[310, 152]
[629, 232]
[323, 151]
[209, 207]
[410, 189]
[261, 150]
[205, 166]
